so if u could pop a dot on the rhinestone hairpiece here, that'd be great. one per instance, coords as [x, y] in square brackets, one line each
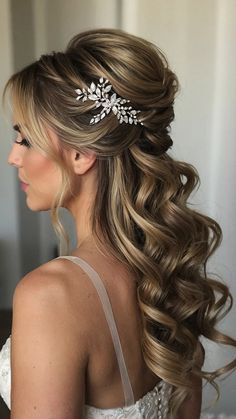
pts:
[102, 95]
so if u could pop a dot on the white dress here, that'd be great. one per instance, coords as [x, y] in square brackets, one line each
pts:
[153, 405]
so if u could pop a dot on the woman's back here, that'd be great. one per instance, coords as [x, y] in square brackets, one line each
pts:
[103, 378]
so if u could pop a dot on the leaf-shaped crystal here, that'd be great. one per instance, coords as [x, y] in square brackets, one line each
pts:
[101, 80]
[98, 92]
[79, 91]
[103, 115]
[92, 97]
[93, 87]
[113, 99]
[114, 110]
[108, 88]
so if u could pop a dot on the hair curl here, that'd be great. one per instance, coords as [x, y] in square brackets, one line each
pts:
[147, 223]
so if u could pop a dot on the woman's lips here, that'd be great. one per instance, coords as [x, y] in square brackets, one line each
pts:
[23, 186]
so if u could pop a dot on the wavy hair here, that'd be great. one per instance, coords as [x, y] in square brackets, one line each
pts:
[147, 222]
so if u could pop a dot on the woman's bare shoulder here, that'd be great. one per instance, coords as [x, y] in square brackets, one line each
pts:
[54, 288]
[55, 275]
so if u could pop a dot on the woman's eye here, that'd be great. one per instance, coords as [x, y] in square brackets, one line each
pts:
[24, 142]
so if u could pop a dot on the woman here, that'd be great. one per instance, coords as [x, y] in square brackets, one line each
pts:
[112, 330]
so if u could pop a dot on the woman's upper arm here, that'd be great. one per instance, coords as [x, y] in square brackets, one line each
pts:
[48, 365]
[191, 408]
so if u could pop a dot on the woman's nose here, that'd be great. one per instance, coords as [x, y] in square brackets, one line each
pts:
[14, 157]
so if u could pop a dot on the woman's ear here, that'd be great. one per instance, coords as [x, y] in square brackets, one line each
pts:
[82, 161]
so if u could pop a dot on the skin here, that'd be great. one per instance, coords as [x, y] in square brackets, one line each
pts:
[62, 353]
[36, 169]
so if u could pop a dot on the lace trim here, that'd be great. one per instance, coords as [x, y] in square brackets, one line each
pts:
[155, 401]
[5, 372]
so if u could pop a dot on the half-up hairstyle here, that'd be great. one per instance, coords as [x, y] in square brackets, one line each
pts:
[141, 203]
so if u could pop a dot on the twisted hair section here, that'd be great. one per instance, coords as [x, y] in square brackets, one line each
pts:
[141, 204]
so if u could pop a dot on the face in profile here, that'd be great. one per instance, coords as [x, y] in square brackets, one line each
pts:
[39, 176]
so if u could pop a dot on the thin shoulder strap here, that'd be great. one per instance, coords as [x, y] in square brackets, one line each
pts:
[101, 290]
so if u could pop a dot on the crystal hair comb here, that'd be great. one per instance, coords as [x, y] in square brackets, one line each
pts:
[102, 94]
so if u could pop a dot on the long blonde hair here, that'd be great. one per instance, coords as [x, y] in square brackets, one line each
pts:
[141, 204]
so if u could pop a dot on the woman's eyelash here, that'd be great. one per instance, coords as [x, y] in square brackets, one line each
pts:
[24, 142]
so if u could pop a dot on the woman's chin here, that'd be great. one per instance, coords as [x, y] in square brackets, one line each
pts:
[34, 206]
